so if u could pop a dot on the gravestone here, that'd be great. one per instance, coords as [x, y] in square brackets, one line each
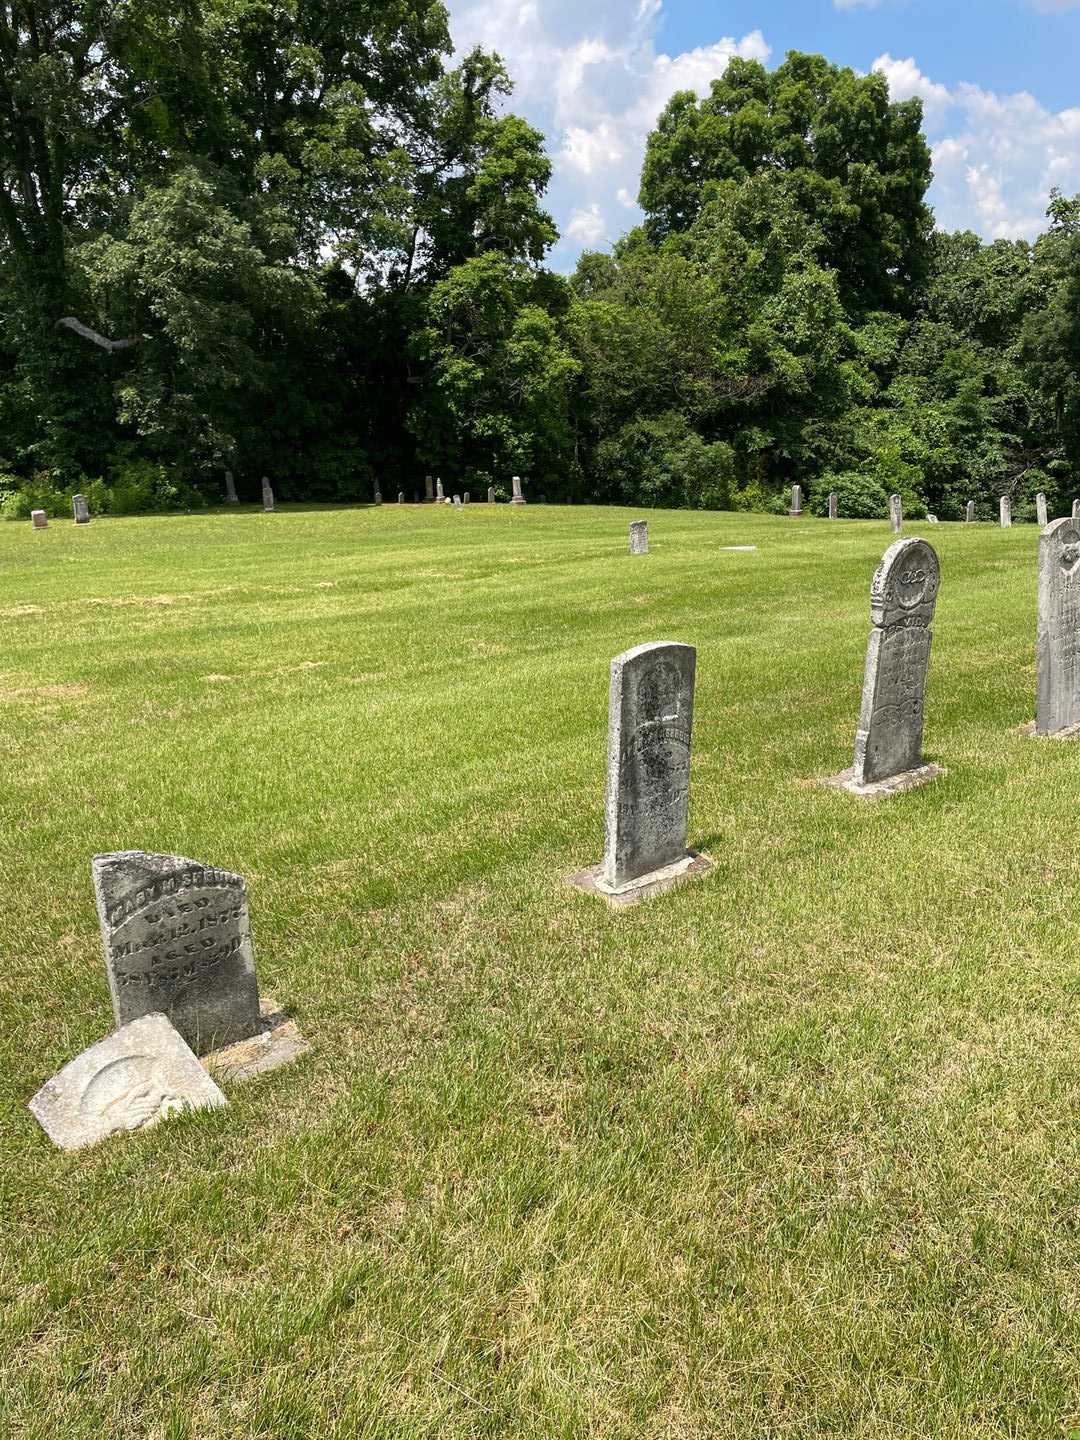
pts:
[378, 496]
[401, 497]
[177, 938]
[969, 514]
[1058, 633]
[438, 489]
[268, 495]
[834, 505]
[888, 743]
[639, 537]
[40, 519]
[133, 1078]
[1076, 510]
[896, 514]
[80, 508]
[796, 502]
[931, 519]
[517, 498]
[1041, 514]
[650, 723]
[1005, 508]
[429, 494]
[466, 497]
[230, 489]
[491, 495]
[457, 502]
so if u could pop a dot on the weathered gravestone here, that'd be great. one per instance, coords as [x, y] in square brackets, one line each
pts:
[1058, 635]
[80, 508]
[401, 497]
[429, 494]
[177, 938]
[135, 1077]
[1041, 514]
[1005, 509]
[931, 519]
[639, 537]
[896, 514]
[378, 496]
[466, 497]
[40, 519]
[650, 723]
[517, 498]
[969, 514]
[231, 497]
[457, 502]
[438, 489]
[268, 495]
[888, 743]
[834, 505]
[796, 502]
[491, 495]
[1076, 510]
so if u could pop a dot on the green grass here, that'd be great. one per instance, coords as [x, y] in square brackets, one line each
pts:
[793, 1151]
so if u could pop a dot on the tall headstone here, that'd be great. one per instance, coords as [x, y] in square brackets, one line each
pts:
[133, 1078]
[401, 497]
[888, 742]
[1076, 510]
[429, 494]
[969, 513]
[1058, 635]
[1041, 513]
[231, 497]
[40, 519]
[378, 496]
[466, 497]
[177, 939]
[834, 505]
[639, 537]
[80, 508]
[457, 502]
[896, 514]
[438, 488]
[1005, 508]
[796, 502]
[491, 495]
[268, 495]
[517, 498]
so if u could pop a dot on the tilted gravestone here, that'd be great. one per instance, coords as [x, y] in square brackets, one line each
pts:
[231, 497]
[888, 742]
[1005, 509]
[650, 723]
[429, 494]
[931, 519]
[834, 505]
[517, 498]
[268, 495]
[1041, 514]
[969, 514]
[896, 514]
[1058, 635]
[177, 939]
[40, 519]
[80, 508]
[491, 495]
[796, 502]
[457, 502]
[133, 1078]
[639, 537]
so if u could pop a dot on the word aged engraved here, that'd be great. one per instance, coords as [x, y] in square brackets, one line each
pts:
[1058, 633]
[138, 1075]
[177, 939]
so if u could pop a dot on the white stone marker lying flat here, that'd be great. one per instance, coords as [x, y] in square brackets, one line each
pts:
[129, 1081]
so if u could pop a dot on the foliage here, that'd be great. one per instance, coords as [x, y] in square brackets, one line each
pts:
[858, 496]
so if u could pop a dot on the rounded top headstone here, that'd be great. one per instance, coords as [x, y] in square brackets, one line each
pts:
[1064, 537]
[906, 583]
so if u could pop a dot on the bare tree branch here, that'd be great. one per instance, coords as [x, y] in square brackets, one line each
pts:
[92, 335]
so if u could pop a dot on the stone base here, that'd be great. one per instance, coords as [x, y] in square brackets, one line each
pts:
[880, 789]
[655, 883]
[796, 514]
[278, 1043]
[1071, 732]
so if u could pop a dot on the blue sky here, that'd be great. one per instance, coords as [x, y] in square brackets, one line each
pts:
[1000, 81]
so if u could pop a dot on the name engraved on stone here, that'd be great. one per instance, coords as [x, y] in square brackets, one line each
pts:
[639, 537]
[177, 939]
[902, 599]
[650, 722]
[1058, 631]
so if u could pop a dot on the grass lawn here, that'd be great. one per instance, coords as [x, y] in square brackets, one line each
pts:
[791, 1152]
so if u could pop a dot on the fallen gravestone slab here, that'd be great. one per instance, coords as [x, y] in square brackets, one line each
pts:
[133, 1078]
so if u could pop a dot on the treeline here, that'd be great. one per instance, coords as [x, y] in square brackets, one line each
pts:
[295, 238]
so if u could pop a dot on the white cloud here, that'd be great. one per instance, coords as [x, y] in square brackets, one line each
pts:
[588, 226]
[906, 81]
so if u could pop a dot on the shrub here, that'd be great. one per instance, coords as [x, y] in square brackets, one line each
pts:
[660, 460]
[858, 496]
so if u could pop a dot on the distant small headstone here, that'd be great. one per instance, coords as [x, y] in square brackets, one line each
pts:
[438, 489]
[888, 743]
[457, 502]
[931, 519]
[378, 496]
[80, 508]
[1076, 510]
[466, 497]
[969, 514]
[896, 514]
[40, 519]
[401, 497]
[1058, 632]
[231, 497]
[1041, 512]
[268, 495]
[517, 498]
[135, 1077]
[796, 502]
[639, 537]
[177, 939]
[1005, 509]
[429, 494]
[491, 495]
[834, 505]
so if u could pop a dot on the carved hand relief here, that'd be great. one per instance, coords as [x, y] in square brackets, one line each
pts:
[1069, 555]
[128, 1095]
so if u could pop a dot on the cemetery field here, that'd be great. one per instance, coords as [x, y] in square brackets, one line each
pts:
[791, 1151]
